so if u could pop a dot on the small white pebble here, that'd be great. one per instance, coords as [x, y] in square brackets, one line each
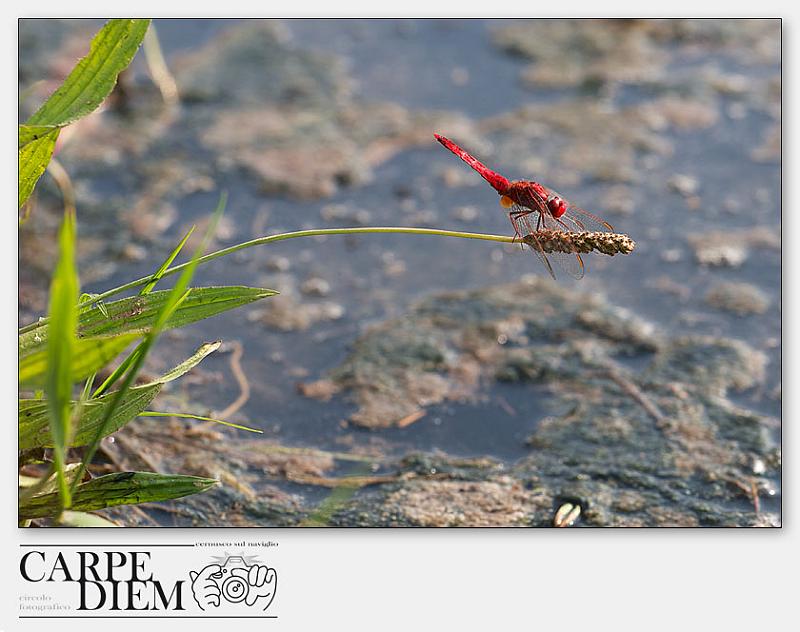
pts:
[315, 286]
[683, 184]
[278, 264]
[459, 76]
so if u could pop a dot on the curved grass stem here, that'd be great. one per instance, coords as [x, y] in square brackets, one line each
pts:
[316, 232]
[550, 241]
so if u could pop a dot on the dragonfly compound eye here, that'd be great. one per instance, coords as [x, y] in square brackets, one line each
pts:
[557, 206]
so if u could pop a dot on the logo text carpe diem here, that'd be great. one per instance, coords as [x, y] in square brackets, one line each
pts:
[113, 580]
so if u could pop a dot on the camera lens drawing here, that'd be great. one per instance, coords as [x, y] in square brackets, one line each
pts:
[235, 581]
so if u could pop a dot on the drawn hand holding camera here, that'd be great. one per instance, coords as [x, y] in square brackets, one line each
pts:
[236, 582]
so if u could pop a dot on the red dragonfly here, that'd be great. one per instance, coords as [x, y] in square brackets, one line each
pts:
[532, 207]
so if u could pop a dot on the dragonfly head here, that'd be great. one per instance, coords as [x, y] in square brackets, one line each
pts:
[557, 206]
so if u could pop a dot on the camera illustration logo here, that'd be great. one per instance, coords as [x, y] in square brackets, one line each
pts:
[237, 580]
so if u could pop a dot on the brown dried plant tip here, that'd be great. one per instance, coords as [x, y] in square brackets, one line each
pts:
[559, 241]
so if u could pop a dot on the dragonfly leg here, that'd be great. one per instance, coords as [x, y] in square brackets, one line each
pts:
[515, 217]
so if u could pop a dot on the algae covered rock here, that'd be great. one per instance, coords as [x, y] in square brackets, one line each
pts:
[644, 430]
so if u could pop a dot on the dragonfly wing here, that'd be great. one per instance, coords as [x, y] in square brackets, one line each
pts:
[585, 221]
[578, 220]
[569, 262]
[534, 245]
[526, 223]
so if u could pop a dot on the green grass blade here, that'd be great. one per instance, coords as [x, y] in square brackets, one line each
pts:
[118, 372]
[34, 430]
[152, 413]
[137, 314]
[88, 355]
[93, 78]
[124, 488]
[167, 262]
[99, 305]
[58, 375]
[33, 159]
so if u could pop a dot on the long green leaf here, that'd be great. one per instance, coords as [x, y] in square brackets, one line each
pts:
[88, 355]
[93, 78]
[33, 159]
[89, 83]
[57, 374]
[124, 488]
[34, 430]
[30, 133]
[137, 314]
[190, 362]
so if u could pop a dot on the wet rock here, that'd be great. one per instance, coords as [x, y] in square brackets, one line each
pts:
[287, 313]
[249, 64]
[577, 52]
[770, 148]
[392, 265]
[679, 113]
[496, 503]
[659, 446]
[731, 248]
[443, 348]
[459, 76]
[683, 184]
[618, 199]
[133, 252]
[322, 390]
[277, 263]
[341, 213]
[671, 255]
[315, 286]
[466, 214]
[575, 137]
[285, 116]
[599, 53]
[667, 285]
[741, 299]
